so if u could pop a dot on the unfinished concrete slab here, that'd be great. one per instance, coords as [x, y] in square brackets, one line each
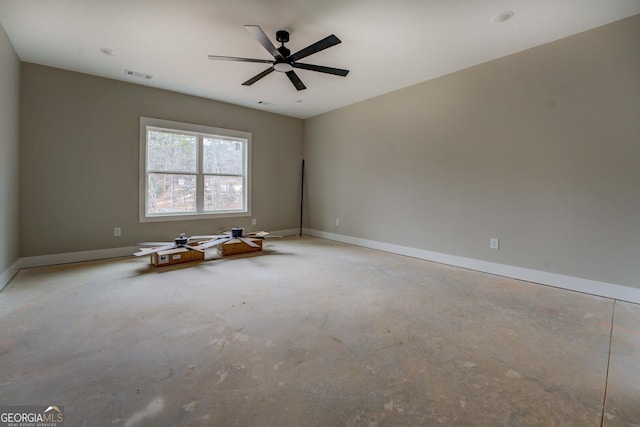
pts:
[311, 333]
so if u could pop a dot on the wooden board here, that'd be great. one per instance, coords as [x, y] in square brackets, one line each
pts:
[175, 256]
[236, 246]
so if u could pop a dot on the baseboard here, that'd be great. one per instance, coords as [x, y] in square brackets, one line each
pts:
[603, 289]
[287, 232]
[93, 255]
[69, 257]
[592, 287]
[7, 275]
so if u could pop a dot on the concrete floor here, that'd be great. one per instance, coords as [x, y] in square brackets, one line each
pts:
[314, 333]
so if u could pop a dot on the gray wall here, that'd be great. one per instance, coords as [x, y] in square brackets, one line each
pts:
[9, 153]
[540, 149]
[79, 161]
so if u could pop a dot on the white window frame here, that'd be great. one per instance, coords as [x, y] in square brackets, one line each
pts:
[148, 123]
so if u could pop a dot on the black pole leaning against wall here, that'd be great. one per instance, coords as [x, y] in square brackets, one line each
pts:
[301, 195]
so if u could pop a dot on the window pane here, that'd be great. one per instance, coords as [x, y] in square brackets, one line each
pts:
[223, 193]
[171, 152]
[171, 193]
[223, 156]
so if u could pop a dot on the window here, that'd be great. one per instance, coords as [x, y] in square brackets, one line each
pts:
[192, 172]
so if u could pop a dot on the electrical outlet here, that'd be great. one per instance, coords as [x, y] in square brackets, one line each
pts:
[338, 221]
[253, 221]
[117, 232]
[494, 243]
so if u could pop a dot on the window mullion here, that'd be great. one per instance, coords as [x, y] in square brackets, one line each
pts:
[200, 176]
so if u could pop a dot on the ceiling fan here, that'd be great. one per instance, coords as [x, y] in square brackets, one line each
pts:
[283, 61]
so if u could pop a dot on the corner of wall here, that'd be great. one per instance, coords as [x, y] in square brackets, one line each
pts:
[8, 274]
[9, 158]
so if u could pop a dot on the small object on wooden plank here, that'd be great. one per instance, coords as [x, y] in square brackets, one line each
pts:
[175, 256]
[237, 246]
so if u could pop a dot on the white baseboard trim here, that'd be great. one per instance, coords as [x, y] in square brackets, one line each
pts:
[287, 232]
[603, 289]
[69, 257]
[592, 287]
[7, 275]
[93, 255]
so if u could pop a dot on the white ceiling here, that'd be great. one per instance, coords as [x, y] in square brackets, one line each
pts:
[386, 44]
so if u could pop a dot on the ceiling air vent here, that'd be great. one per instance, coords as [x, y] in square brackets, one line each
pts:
[138, 74]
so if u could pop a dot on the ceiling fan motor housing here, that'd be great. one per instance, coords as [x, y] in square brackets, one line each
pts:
[181, 241]
[284, 51]
[236, 232]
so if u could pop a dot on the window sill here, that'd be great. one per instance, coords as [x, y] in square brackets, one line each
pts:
[191, 217]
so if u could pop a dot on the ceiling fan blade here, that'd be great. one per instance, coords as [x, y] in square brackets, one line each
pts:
[215, 242]
[263, 40]
[195, 248]
[149, 251]
[154, 244]
[258, 234]
[316, 47]
[296, 80]
[249, 242]
[207, 237]
[234, 58]
[255, 78]
[321, 69]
